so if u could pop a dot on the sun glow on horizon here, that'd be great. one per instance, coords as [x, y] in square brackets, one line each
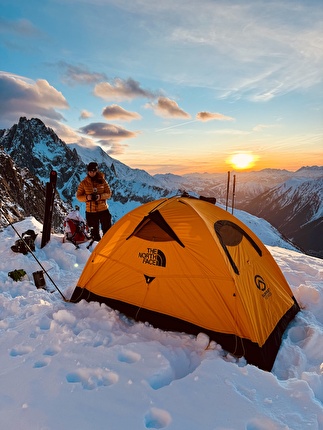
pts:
[242, 160]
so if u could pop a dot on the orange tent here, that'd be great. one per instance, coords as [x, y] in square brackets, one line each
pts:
[184, 264]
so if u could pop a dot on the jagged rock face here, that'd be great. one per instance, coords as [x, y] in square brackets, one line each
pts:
[23, 195]
[25, 143]
[18, 191]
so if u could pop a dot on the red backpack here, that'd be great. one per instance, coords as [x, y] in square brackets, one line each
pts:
[76, 230]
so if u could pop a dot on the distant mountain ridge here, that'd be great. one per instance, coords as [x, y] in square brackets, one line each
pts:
[291, 201]
[36, 147]
[295, 208]
[248, 184]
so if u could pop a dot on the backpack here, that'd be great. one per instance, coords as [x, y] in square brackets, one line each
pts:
[17, 274]
[26, 243]
[76, 230]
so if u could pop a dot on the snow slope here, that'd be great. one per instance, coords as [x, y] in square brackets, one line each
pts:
[84, 366]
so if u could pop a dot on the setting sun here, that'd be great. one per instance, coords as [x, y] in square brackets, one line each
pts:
[242, 160]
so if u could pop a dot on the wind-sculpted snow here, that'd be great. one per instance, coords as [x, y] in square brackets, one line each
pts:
[85, 366]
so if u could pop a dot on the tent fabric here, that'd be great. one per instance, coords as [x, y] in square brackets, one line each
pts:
[187, 265]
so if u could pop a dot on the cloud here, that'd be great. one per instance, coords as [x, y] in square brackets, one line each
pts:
[167, 108]
[23, 97]
[209, 116]
[85, 114]
[245, 50]
[122, 90]
[113, 148]
[262, 127]
[80, 74]
[103, 130]
[229, 131]
[115, 112]
[65, 133]
[21, 27]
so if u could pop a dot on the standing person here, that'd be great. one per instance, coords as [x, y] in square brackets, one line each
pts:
[94, 191]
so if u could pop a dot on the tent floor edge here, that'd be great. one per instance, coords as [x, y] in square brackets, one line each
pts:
[262, 357]
[268, 352]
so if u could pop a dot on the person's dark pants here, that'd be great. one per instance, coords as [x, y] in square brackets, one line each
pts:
[95, 219]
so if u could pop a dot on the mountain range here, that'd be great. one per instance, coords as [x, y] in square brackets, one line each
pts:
[291, 201]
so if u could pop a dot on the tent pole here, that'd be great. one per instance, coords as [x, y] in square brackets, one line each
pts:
[228, 184]
[233, 191]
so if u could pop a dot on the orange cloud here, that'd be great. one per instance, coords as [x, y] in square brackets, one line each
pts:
[113, 148]
[85, 114]
[23, 97]
[121, 90]
[115, 112]
[107, 131]
[209, 116]
[167, 108]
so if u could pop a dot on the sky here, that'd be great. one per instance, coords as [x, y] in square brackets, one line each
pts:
[173, 86]
[85, 366]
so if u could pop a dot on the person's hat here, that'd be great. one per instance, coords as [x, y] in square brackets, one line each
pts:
[92, 166]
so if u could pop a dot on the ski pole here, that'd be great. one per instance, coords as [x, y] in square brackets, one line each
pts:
[32, 253]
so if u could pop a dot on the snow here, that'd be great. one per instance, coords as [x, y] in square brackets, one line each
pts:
[84, 366]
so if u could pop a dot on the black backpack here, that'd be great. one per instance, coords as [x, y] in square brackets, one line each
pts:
[26, 244]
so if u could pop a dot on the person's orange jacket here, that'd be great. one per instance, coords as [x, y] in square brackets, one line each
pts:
[97, 185]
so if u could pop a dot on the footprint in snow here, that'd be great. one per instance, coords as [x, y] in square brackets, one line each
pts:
[129, 357]
[53, 350]
[49, 352]
[20, 350]
[42, 363]
[157, 419]
[92, 378]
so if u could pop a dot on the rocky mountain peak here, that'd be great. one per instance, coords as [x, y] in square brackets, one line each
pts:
[36, 147]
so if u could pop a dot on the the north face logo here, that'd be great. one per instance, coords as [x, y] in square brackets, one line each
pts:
[153, 256]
